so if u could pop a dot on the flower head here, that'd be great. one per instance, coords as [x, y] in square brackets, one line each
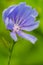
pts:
[21, 17]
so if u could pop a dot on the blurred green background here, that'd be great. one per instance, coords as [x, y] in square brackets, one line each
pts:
[24, 53]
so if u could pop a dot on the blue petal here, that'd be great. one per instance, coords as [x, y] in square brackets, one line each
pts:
[21, 11]
[31, 27]
[13, 35]
[34, 13]
[6, 21]
[15, 12]
[26, 13]
[6, 12]
[9, 24]
[28, 21]
[27, 36]
[29, 12]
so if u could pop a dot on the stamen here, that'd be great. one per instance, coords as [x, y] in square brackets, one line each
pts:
[16, 28]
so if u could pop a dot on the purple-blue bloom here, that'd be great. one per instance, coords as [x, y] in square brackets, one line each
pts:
[18, 18]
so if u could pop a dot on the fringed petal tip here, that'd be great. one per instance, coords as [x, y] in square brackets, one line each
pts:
[34, 13]
[24, 3]
[38, 22]
[3, 14]
[35, 40]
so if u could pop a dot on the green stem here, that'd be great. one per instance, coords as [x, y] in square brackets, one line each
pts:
[11, 53]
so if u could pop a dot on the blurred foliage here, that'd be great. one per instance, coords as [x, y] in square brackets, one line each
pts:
[24, 52]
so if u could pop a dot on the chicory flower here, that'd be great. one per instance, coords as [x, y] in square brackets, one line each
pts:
[18, 18]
